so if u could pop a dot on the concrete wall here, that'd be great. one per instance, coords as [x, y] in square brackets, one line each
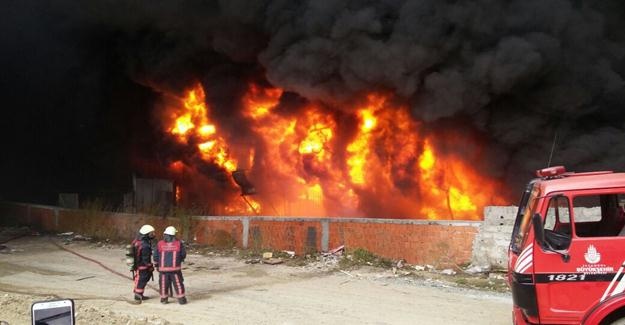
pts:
[441, 243]
[490, 247]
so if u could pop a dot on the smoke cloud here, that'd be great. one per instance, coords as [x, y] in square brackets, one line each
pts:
[521, 74]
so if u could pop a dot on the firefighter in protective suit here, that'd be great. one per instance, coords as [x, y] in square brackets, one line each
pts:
[168, 257]
[143, 260]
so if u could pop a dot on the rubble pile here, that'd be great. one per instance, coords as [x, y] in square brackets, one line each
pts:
[69, 237]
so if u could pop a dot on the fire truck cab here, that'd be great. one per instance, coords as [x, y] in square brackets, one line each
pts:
[566, 258]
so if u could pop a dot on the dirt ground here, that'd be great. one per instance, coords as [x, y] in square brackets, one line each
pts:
[226, 290]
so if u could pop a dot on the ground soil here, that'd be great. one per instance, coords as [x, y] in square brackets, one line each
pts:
[223, 289]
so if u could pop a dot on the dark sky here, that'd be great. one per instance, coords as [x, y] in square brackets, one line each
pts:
[78, 80]
[70, 114]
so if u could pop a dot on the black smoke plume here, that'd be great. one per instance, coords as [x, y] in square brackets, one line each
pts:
[79, 80]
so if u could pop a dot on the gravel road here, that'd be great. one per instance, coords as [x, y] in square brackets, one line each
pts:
[225, 290]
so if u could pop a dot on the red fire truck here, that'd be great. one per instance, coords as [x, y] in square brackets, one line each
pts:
[566, 259]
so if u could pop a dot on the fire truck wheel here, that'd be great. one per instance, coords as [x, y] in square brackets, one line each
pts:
[620, 321]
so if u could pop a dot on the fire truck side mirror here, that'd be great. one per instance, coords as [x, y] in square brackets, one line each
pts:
[539, 232]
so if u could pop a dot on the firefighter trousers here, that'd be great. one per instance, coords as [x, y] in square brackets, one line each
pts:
[167, 280]
[141, 280]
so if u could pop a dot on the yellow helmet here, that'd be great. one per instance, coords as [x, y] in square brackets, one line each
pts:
[170, 231]
[146, 229]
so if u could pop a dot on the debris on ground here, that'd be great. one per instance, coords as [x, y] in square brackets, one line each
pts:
[497, 276]
[347, 273]
[81, 238]
[336, 251]
[437, 283]
[399, 272]
[477, 269]
[267, 258]
[252, 261]
[419, 267]
[272, 261]
[86, 277]
[290, 253]
[448, 272]
[322, 263]
[71, 236]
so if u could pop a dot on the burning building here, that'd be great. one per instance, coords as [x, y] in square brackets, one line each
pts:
[392, 109]
[309, 159]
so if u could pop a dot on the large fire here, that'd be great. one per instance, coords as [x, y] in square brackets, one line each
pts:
[313, 161]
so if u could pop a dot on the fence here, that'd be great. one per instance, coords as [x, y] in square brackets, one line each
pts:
[436, 242]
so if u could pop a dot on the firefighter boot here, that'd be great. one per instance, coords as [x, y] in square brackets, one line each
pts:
[164, 301]
[182, 300]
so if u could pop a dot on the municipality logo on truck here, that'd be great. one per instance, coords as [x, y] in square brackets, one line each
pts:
[592, 256]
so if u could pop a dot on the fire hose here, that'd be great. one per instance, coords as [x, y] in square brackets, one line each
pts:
[87, 259]
[81, 256]
[13, 238]
[100, 264]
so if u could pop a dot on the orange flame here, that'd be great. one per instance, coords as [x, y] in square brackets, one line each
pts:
[178, 194]
[192, 121]
[309, 165]
[359, 148]
[260, 101]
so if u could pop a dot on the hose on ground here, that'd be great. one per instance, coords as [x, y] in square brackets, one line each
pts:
[98, 263]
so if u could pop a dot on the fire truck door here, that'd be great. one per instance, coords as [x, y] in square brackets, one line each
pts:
[557, 280]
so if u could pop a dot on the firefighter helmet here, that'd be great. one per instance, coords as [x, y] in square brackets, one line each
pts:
[170, 231]
[146, 229]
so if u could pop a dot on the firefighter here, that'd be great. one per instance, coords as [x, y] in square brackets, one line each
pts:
[168, 257]
[142, 245]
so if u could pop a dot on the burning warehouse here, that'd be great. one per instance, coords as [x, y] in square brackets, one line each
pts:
[372, 159]
[396, 109]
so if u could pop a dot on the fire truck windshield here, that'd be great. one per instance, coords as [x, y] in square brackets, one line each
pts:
[524, 215]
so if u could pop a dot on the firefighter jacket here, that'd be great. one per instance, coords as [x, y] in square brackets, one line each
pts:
[169, 255]
[143, 252]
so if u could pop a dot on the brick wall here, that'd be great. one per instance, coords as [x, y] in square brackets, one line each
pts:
[441, 243]
[299, 235]
[218, 232]
[433, 242]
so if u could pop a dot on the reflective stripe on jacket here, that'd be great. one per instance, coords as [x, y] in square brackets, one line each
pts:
[169, 255]
[143, 253]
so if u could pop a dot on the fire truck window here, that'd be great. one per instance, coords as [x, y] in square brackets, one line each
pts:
[521, 225]
[557, 218]
[557, 223]
[599, 215]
